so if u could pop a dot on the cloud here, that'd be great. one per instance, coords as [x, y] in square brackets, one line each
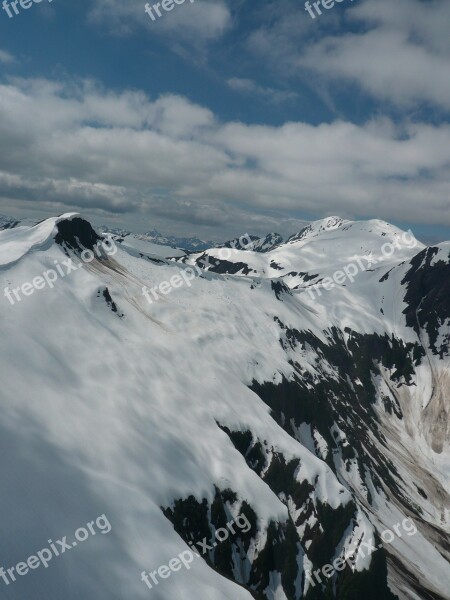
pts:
[6, 58]
[60, 193]
[398, 52]
[248, 86]
[203, 20]
[402, 58]
[81, 146]
[194, 23]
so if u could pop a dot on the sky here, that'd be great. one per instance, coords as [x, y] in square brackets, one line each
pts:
[227, 116]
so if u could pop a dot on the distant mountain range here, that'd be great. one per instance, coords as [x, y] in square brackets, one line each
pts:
[264, 244]
[155, 237]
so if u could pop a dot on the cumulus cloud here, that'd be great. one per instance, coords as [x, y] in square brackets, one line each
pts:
[80, 146]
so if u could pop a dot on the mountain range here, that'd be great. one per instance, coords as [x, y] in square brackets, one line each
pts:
[302, 385]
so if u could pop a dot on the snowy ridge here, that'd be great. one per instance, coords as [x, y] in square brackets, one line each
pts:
[317, 252]
[18, 241]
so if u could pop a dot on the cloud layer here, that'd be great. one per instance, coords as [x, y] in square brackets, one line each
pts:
[81, 146]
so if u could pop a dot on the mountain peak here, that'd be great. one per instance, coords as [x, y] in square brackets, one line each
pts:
[76, 233]
[316, 227]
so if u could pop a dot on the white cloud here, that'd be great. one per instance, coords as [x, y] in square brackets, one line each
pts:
[395, 51]
[387, 61]
[204, 20]
[195, 23]
[6, 58]
[81, 146]
[248, 86]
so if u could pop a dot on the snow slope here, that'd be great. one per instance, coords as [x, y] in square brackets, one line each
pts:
[240, 394]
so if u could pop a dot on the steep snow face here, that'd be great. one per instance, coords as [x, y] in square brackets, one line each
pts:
[267, 243]
[321, 420]
[318, 227]
[253, 243]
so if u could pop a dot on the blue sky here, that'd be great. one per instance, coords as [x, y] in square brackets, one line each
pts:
[227, 115]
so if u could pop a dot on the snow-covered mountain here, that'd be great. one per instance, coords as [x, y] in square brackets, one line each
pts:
[7, 222]
[10, 222]
[303, 389]
[255, 244]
